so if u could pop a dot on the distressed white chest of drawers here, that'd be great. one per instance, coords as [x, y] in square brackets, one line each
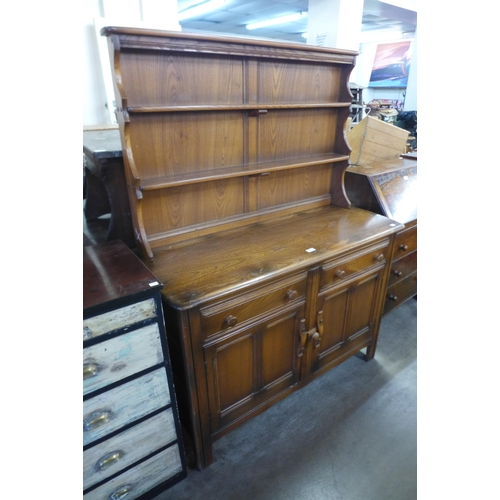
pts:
[132, 445]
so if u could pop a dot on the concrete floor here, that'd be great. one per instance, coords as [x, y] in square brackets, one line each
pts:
[349, 435]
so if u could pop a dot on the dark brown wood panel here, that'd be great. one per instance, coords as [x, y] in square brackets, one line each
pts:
[181, 79]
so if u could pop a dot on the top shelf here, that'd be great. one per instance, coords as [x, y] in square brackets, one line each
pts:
[258, 108]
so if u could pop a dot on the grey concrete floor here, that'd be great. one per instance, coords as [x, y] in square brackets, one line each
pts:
[351, 434]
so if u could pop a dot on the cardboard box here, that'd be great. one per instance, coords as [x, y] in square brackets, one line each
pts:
[374, 140]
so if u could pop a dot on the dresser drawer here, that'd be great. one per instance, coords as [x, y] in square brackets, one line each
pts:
[236, 311]
[400, 292]
[117, 453]
[405, 243]
[118, 318]
[338, 270]
[120, 357]
[402, 268]
[124, 404]
[141, 478]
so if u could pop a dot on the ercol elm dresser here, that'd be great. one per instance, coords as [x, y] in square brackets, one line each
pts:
[132, 442]
[390, 188]
[235, 155]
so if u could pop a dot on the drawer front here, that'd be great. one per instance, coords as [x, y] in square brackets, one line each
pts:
[126, 448]
[402, 268]
[119, 318]
[400, 292]
[120, 357]
[126, 403]
[337, 271]
[140, 479]
[237, 311]
[405, 243]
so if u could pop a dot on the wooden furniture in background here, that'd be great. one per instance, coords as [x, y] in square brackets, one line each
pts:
[375, 140]
[235, 156]
[390, 188]
[132, 442]
[106, 184]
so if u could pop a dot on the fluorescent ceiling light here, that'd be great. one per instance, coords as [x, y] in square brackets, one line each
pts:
[403, 4]
[201, 8]
[277, 20]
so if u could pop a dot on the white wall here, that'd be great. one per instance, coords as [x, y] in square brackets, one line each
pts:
[97, 94]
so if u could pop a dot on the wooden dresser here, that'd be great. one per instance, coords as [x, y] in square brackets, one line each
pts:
[390, 188]
[235, 155]
[131, 431]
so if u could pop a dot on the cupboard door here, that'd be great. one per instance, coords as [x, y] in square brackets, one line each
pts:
[346, 316]
[252, 366]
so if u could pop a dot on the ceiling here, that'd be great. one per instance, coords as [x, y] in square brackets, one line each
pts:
[232, 18]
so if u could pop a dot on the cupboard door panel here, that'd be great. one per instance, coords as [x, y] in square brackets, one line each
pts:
[362, 306]
[349, 316]
[251, 367]
[334, 307]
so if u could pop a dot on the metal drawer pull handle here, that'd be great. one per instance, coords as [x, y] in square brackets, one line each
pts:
[393, 298]
[90, 370]
[231, 320]
[121, 492]
[96, 420]
[397, 273]
[340, 273]
[291, 294]
[403, 247]
[379, 257]
[109, 460]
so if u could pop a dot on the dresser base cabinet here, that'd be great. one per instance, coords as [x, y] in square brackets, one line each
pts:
[132, 442]
[244, 333]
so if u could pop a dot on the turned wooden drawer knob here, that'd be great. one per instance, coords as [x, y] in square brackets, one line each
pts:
[403, 247]
[231, 320]
[340, 273]
[392, 298]
[397, 273]
[291, 294]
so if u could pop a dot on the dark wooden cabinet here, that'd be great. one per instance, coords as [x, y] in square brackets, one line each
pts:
[235, 156]
[390, 188]
[132, 444]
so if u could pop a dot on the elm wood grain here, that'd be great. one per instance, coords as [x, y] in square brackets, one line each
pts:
[212, 266]
[235, 156]
[230, 109]
[246, 298]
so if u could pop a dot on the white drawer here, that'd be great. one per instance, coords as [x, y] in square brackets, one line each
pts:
[119, 318]
[126, 403]
[128, 447]
[140, 479]
[120, 357]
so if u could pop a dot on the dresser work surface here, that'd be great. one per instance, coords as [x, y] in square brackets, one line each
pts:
[131, 432]
[235, 154]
